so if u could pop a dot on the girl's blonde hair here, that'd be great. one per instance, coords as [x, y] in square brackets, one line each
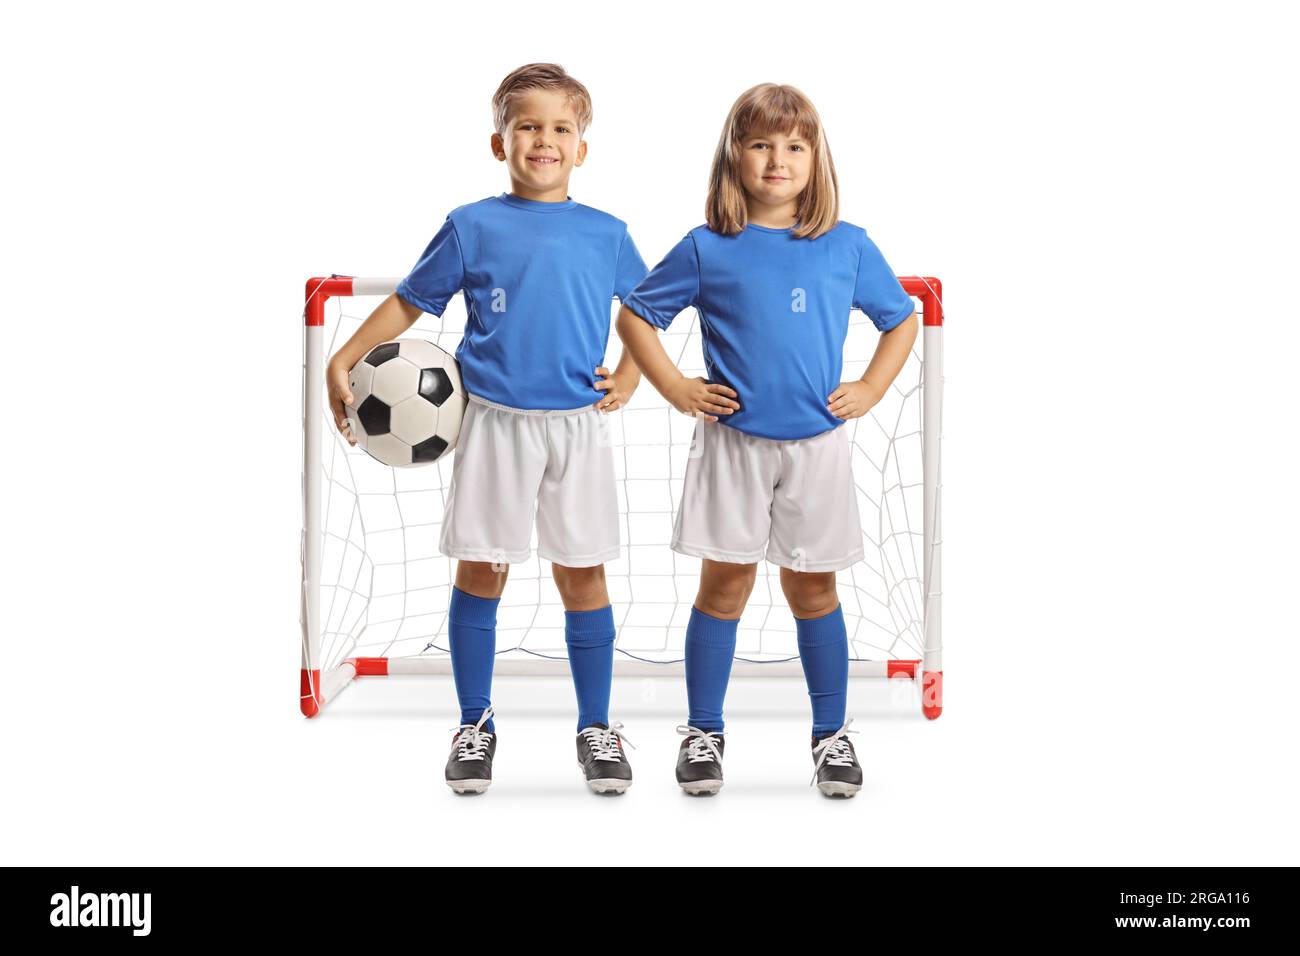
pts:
[763, 110]
[540, 76]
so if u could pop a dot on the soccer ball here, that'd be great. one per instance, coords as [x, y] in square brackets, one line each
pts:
[409, 402]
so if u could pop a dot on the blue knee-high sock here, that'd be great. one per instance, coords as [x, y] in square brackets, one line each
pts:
[472, 621]
[710, 646]
[590, 637]
[824, 653]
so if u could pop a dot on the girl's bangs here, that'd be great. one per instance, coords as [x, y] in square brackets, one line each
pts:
[777, 113]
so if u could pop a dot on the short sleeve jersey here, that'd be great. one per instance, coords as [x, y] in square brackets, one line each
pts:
[538, 279]
[774, 314]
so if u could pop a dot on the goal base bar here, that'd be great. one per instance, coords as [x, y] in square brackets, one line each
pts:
[315, 692]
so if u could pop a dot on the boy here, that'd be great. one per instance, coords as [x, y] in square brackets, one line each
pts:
[538, 272]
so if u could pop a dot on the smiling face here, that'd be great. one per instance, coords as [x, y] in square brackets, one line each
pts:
[774, 169]
[541, 145]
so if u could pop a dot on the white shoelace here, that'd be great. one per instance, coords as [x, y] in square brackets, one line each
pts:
[472, 740]
[701, 746]
[603, 741]
[835, 750]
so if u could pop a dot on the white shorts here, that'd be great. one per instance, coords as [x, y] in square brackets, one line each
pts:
[511, 464]
[747, 498]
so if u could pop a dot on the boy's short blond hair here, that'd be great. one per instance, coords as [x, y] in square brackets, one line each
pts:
[761, 110]
[540, 76]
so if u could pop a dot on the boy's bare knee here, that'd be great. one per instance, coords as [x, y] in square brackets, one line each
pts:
[581, 589]
[481, 578]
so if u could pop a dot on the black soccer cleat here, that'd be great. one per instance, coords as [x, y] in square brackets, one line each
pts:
[699, 761]
[469, 766]
[836, 770]
[601, 757]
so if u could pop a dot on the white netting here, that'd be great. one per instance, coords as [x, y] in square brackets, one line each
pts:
[385, 587]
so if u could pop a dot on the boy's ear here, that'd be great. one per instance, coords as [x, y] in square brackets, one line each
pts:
[498, 147]
[581, 154]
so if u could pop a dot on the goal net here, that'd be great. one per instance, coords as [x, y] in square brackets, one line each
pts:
[375, 589]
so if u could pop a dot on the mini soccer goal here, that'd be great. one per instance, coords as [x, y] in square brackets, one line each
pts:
[375, 590]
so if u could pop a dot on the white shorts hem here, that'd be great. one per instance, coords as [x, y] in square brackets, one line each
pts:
[815, 566]
[580, 560]
[487, 555]
[715, 554]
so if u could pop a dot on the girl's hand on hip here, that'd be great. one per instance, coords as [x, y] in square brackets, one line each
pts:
[852, 399]
[695, 396]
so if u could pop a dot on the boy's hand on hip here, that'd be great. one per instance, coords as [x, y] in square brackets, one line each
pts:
[618, 392]
[852, 399]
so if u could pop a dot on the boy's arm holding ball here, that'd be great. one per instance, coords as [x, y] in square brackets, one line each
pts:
[393, 317]
[854, 399]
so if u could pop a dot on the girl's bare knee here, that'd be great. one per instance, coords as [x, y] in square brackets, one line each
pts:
[725, 589]
[809, 594]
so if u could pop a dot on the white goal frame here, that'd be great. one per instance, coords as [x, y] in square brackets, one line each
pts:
[322, 681]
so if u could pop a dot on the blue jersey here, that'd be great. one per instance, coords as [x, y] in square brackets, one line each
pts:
[538, 279]
[774, 314]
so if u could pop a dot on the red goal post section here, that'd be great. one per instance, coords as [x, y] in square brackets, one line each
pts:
[322, 680]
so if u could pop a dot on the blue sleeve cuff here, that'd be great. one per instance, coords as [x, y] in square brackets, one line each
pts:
[647, 314]
[404, 292]
[898, 319]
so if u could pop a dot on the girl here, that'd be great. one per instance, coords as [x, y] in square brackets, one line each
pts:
[774, 275]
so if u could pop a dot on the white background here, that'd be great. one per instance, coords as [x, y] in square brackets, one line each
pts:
[1108, 193]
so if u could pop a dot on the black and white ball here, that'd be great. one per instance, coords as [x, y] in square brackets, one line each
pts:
[409, 402]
